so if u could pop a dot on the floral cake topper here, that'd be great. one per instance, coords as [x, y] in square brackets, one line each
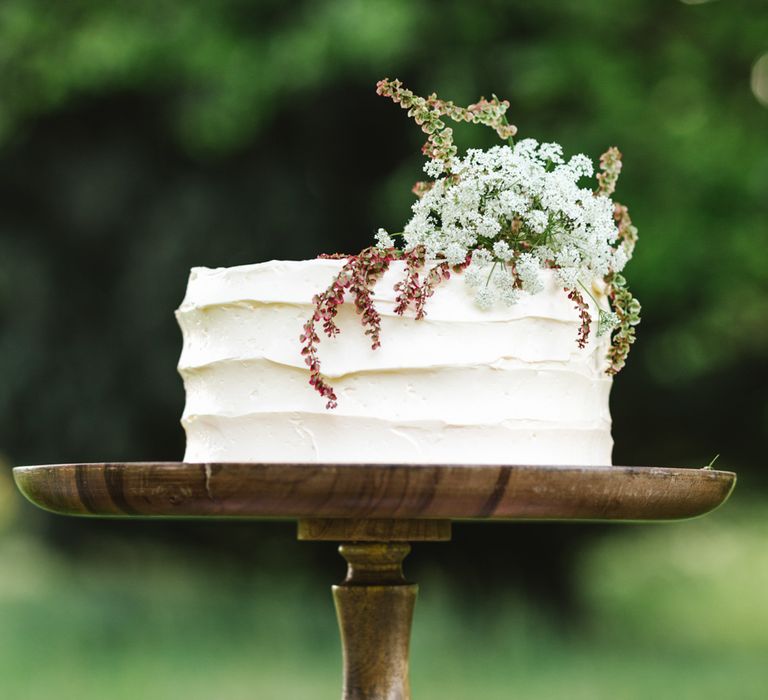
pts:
[499, 217]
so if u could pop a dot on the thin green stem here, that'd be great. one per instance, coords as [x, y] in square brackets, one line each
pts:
[591, 296]
[490, 274]
[511, 139]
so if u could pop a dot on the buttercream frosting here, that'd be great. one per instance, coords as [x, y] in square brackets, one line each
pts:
[463, 385]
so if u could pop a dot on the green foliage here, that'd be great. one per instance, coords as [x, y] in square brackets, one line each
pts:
[104, 103]
[225, 67]
[675, 611]
[699, 585]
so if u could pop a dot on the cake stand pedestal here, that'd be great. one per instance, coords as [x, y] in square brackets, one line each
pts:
[374, 511]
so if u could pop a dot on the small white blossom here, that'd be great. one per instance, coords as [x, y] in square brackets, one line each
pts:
[568, 277]
[473, 276]
[502, 250]
[620, 258]
[581, 165]
[504, 279]
[528, 270]
[433, 168]
[537, 220]
[481, 258]
[485, 298]
[567, 256]
[552, 152]
[511, 203]
[526, 148]
[383, 239]
[509, 296]
[607, 322]
[506, 287]
[488, 227]
[455, 254]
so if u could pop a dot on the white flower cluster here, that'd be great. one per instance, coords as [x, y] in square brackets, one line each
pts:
[517, 210]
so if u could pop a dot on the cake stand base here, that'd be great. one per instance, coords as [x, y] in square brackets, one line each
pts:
[374, 604]
[374, 511]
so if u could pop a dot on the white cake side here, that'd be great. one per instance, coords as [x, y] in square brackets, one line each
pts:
[463, 385]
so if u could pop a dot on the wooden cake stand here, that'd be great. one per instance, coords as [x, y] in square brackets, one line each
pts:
[374, 511]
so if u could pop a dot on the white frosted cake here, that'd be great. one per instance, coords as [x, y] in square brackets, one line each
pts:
[507, 385]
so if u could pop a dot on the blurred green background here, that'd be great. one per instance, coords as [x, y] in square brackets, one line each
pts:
[139, 139]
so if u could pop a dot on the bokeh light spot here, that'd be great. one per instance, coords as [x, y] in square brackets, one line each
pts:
[759, 80]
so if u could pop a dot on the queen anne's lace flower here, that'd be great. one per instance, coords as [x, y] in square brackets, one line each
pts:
[581, 165]
[455, 254]
[473, 276]
[607, 322]
[481, 258]
[553, 152]
[510, 296]
[383, 239]
[521, 207]
[528, 270]
[502, 250]
[434, 168]
[537, 220]
[485, 298]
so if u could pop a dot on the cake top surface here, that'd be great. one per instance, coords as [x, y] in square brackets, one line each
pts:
[298, 281]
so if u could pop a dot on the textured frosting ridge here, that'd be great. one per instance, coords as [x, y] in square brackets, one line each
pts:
[505, 386]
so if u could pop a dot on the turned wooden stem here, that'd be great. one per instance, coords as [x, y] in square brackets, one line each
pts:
[374, 606]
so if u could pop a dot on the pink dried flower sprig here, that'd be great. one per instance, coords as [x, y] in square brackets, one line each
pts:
[610, 168]
[627, 232]
[586, 319]
[435, 275]
[358, 277]
[408, 289]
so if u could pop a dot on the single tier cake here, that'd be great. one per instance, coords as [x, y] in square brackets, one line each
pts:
[507, 385]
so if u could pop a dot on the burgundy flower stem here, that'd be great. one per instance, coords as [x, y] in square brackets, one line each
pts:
[434, 277]
[409, 288]
[358, 276]
[586, 319]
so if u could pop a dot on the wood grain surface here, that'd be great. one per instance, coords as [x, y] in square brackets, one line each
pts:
[374, 530]
[374, 491]
[374, 607]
